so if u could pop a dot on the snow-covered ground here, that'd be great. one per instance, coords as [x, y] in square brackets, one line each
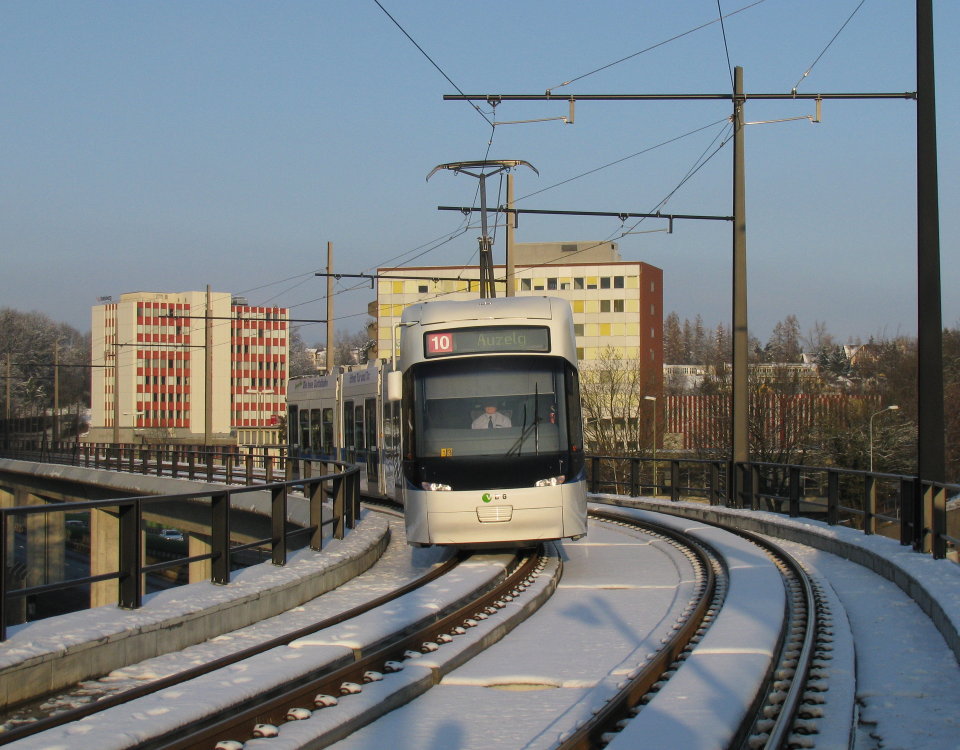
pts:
[907, 680]
[618, 596]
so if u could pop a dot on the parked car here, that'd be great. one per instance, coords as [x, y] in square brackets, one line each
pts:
[173, 535]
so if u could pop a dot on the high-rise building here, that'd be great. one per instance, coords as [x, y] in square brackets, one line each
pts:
[617, 305]
[188, 367]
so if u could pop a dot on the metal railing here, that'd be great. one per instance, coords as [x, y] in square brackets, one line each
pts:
[339, 482]
[899, 506]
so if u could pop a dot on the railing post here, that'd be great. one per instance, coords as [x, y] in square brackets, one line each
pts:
[268, 465]
[144, 460]
[131, 456]
[316, 512]
[869, 504]
[3, 575]
[278, 516]
[338, 509]
[634, 471]
[833, 497]
[174, 462]
[230, 460]
[907, 502]
[794, 488]
[192, 464]
[349, 508]
[248, 460]
[938, 521]
[714, 483]
[130, 585]
[209, 454]
[594, 474]
[220, 537]
[674, 480]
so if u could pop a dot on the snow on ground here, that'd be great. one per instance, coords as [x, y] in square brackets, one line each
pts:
[398, 565]
[620, 594]
[908, 682]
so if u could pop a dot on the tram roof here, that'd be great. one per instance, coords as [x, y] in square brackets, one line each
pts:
[443, 311]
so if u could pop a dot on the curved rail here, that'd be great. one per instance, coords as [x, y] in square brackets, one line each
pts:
[65, 717]
[590, 734]
[278, 707]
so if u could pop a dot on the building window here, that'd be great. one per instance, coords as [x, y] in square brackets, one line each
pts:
[551, 283]
[422, 289]
[578, 282]
[618, 305]
[604, 305]
[578, 329]
[604, 282]
[525, 285]
[618, 282]
[568, 248]
[580, 353]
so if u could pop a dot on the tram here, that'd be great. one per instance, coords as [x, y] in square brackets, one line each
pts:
[477, 431]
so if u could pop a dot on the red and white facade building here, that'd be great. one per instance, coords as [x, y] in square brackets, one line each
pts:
[157, 356]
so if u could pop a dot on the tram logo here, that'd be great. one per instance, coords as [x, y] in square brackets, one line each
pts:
[487, 497]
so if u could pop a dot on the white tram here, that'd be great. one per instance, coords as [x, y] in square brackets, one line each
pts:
[486, 448]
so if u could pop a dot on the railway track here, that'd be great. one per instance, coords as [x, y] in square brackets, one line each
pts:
[776, 704]
[788, 693]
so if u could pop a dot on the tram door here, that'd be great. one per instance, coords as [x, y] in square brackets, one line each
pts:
[370, 430]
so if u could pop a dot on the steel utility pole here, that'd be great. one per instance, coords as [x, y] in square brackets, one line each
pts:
[486, 244]
[508, 238]
[740, 403]
[931, 465]
[208, 369]
[330, 352]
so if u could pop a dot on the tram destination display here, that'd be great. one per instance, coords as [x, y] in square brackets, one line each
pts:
[494, 339]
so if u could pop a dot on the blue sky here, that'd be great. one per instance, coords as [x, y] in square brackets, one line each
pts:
[166, 146]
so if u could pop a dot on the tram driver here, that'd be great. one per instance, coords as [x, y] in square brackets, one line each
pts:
[491, 418]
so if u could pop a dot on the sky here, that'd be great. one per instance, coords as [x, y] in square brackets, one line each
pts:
[167, 146]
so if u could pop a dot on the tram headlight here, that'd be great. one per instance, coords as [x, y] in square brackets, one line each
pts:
[550, 481]
[435, 487]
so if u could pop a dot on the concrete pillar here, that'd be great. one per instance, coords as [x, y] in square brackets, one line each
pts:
[16, 608]
[104, 555]
[201, 570]
[46, 535]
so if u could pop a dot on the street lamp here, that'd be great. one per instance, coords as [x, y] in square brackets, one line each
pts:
[892, 407]
[654, 399]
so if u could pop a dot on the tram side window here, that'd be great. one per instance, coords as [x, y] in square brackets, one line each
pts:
[328, 428]
[348, 424]
[370, 417]
[305, 429]
[315, 430]
[293, 426]
[358, 425]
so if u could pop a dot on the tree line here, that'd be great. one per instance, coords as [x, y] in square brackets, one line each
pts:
[873, 374]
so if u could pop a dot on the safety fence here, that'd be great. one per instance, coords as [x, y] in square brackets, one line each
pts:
[122, 527]
[919, 513]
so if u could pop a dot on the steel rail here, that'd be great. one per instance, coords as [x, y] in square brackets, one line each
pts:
[589, 734]
[791, 703]
[272, 708]
[75, 714]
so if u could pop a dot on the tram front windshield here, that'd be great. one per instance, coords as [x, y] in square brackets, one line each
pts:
[498, 421]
